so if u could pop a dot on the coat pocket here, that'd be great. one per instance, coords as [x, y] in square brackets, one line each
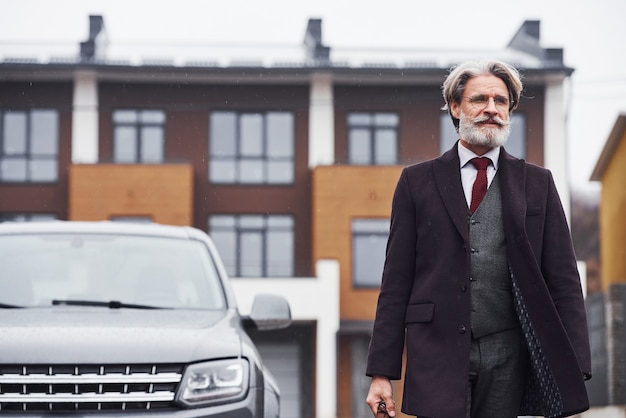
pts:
[422, 312]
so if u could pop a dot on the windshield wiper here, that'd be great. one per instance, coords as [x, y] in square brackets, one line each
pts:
[112, 304]
[8, 306]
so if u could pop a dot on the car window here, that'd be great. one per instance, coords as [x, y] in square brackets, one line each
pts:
[162, 272]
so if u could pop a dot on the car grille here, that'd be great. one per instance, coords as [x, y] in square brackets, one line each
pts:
[88, 387]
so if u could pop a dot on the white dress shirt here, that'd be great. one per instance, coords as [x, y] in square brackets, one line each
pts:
[468, 171]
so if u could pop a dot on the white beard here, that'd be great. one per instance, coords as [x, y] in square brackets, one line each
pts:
[473, 133]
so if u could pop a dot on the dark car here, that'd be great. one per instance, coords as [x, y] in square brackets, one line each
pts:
[126, 320]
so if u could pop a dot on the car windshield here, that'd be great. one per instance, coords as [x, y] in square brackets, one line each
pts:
[117, 270]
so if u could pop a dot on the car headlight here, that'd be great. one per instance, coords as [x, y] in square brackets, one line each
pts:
[214, 382]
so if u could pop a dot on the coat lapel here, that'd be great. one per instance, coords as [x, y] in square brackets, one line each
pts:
[447, 175]
[512, 174]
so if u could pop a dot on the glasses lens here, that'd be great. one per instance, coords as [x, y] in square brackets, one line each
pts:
[480, 102]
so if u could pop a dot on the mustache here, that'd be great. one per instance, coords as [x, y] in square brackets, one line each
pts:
[491, 119]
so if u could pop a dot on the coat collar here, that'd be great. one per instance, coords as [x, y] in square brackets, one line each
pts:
[512, 176]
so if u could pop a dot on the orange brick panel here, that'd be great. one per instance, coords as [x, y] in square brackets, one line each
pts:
[161, 192]
[340, 194]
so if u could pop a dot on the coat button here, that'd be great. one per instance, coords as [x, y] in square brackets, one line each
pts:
[462, 329]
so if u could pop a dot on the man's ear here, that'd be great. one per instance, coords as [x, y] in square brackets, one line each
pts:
[455, 109]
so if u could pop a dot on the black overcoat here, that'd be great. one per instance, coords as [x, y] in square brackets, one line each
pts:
[424, 298]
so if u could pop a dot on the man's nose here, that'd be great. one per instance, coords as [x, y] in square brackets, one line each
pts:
[491, 107]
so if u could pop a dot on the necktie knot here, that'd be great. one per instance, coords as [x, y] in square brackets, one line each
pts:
[481, 163]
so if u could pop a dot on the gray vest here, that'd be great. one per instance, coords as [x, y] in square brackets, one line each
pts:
[491, 288]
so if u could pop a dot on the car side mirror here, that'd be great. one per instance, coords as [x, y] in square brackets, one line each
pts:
[268, 312]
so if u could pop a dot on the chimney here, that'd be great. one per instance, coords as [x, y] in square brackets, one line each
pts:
[527, 39]
[316, 52]
[94, 47]
[554, 56]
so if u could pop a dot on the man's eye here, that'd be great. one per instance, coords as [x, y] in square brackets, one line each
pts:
[502, 101]
[479, 99]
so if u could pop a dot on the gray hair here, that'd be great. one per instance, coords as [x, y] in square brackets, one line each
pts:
[454, 85]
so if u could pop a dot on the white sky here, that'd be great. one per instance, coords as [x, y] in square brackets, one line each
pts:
[592, 33]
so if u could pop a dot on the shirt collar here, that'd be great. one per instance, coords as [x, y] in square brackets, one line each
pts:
[466, 155]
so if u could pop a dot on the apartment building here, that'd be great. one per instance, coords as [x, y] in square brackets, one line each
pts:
[288, 159]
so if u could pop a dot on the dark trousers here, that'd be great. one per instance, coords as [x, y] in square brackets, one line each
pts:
[498, 366]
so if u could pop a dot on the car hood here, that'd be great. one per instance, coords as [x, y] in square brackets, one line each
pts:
[72, 335]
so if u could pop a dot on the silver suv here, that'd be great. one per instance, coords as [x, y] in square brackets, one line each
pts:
[126, 320]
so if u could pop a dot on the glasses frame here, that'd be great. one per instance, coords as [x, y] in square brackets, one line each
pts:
[481, 101]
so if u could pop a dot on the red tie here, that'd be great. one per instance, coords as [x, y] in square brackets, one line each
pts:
[479, 189]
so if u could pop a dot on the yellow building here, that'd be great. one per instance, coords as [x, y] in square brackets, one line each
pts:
[610, 170]
[607, 308]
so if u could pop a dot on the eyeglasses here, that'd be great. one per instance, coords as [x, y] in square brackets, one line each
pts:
[481, 101]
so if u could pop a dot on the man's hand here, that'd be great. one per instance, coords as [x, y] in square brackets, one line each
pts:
[380, 397]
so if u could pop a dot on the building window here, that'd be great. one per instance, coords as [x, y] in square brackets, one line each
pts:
[373, 138]
[369, 241]
[251, 148]
[29, 146]
[515, 144]
[138, 136]
[254, 245]
[26, 217]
